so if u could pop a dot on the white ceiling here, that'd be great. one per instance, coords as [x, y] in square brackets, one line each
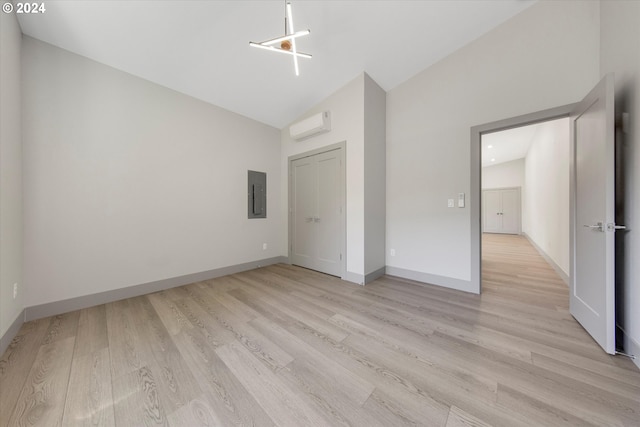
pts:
[201, 48]
[513, 144]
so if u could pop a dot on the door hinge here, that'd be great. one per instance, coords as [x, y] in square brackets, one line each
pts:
[630, 356]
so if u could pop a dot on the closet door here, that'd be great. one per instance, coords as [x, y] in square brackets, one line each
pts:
[316, 191]
[304, 191]
[491, 207]
[501, 211]
[328, 218]
[511, 211]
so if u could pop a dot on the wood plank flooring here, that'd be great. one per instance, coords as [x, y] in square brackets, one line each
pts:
[286, 346]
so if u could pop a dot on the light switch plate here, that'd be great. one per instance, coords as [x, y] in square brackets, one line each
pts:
[450, 203]
[461, 200]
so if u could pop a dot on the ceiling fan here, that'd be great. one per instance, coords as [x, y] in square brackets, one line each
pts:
[288, 41]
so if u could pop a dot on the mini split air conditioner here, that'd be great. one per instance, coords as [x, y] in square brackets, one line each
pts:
[311, 126]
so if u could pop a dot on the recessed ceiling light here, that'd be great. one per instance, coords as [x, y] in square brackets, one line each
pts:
[493, 160]
[489, 146]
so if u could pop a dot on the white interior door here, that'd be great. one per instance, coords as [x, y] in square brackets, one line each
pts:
[316, 212]
[592, 179]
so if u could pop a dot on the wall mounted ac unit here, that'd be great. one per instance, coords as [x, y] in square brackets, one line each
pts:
[311, 126]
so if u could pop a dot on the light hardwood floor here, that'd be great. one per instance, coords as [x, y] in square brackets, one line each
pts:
[286, 346]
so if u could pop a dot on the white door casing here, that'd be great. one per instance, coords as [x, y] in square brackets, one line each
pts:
[592, 285]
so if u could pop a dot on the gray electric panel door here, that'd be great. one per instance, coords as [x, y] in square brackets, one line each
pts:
[257, 194]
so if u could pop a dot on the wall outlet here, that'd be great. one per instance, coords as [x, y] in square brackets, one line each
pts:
[15, 290]
[392, 252]
[264, 246]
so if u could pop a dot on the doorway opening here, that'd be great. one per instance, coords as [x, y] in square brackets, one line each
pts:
[477, 132]
[592, 206]
[525, 194]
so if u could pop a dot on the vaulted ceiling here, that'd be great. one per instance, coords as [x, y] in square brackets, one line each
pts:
[201, 48]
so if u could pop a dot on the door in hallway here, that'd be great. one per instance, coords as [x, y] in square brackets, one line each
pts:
[501, 211]
[317, 226]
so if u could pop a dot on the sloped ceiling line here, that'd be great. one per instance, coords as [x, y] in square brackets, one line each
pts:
[201, 48]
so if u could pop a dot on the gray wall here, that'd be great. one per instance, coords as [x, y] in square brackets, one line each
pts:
[620, 53]
[127, 182]
[347, 124]
[502, 175]
[530, 63]
[375, 153]
[10, 174]
[357, 117]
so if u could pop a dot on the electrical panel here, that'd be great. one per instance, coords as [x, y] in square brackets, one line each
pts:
[257, 194]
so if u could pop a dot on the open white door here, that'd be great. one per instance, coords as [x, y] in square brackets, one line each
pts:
[592, 290]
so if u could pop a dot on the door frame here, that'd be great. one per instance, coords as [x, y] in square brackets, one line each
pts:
[475, 199]
[343, 199]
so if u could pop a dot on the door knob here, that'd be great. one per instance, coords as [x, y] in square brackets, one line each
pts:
[613, 227]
